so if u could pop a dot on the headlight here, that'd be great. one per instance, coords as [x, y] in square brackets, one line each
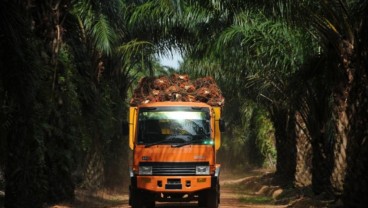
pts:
[145, 170]
[202, 170]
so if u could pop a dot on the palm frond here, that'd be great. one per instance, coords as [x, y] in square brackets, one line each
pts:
[132, 49]
[94, 25]
[154, 11]
[263, 42]
[103, 35]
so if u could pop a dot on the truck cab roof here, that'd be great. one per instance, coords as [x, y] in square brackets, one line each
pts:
[171, 103]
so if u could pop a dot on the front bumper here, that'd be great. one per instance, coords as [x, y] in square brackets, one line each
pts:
[174, 184]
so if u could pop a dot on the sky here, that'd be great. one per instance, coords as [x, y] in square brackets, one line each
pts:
[171, 61]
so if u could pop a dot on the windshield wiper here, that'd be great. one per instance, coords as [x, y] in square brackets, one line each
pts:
[156, 143]
[196, 141]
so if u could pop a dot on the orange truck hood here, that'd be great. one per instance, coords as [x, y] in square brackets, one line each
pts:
[166, 153]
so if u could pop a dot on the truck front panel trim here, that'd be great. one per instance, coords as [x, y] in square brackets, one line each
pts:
[185, 184]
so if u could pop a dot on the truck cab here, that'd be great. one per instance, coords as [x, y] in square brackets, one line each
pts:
[174, 153]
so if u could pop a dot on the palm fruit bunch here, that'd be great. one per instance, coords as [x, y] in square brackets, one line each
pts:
[177, 87]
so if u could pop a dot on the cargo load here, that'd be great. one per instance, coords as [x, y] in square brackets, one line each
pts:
[176, 88]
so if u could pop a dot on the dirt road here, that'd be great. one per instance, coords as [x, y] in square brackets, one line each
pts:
[231, 197]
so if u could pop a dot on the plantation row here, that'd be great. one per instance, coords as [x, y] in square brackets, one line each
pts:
[294, 76]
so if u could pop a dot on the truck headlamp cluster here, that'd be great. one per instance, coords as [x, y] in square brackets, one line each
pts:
[202, 170]
[145, 170]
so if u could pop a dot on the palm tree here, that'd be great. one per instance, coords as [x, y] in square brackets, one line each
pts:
[311, 95]
[261, 78]
[339, 29]
[24, 170]
[356, 151]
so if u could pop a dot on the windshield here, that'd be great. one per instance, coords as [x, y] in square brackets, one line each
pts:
[168, 125]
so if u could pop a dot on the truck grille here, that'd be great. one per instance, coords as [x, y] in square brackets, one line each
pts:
[173, 168]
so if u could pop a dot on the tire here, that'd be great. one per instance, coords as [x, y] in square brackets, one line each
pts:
[134, 198]
[202, 199]
[149, 199]
[151, 205]
[213, 197]
[209, 198]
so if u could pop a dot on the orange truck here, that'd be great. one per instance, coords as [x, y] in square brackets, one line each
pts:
[174, 147]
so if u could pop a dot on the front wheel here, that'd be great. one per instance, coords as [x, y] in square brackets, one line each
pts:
[213, 198]
[149, 200]
[134, 199]
[141, 199]
[209, 198]
[202, 199]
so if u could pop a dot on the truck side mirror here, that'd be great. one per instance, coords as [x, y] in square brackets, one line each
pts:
[222, 125]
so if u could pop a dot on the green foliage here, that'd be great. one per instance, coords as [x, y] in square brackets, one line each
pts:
[103, 34]
[94, 25]
[64, 106]
[265, 137]
[256, 199]
[63, 139]
[65, 78]
[259, 136]
[250, 141]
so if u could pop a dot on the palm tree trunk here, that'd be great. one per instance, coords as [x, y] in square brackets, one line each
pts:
[341, 140]
[303, 173]
[93, 177]
[355, 190]
[341, 113]
[285, 146]
[356, 180]
[321, 161]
